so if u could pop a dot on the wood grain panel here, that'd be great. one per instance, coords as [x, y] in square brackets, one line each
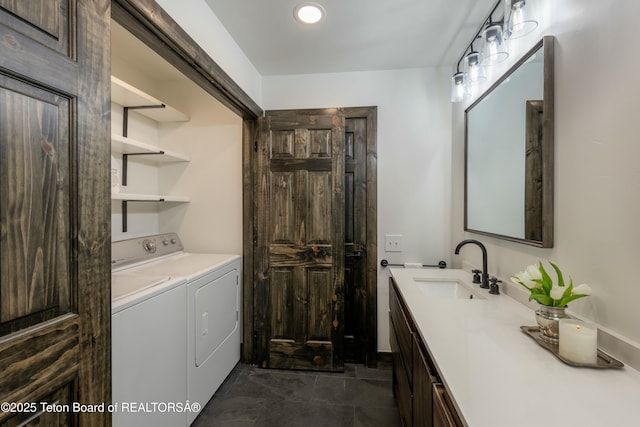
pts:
[41, 14]
[282, 144]
[283, 216]
[58, 413]
[319, 224]
[49, 22]
[349, 143]
[350, 220]
[301, 150]
[313, 355]
[320, 143]
[35, 246]
[281, 302]
[320, 289]
[292, 256]
[30, 365]
[281, 165]
[533, 211]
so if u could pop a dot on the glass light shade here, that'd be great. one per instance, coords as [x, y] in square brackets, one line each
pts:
[473, 72]
[494, 50]
[457, 87]
[520, 18]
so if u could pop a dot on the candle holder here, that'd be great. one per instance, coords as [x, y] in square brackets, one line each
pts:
[578, 340]
[603, 360]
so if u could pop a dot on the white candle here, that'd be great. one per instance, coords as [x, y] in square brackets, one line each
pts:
[578, 341]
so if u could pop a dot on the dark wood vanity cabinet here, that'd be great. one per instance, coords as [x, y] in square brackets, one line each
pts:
[422, 399]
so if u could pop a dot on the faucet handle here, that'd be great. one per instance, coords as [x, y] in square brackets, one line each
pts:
[494, 288]
[476, 275]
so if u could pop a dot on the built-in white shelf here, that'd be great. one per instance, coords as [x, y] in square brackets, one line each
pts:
[150, 197]
[123, 145]
[124, 94]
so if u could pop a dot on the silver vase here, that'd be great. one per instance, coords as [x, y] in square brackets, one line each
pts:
[548, 319]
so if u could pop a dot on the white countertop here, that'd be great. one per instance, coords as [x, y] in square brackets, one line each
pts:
[500, 377]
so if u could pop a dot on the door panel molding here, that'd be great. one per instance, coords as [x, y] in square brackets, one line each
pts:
[287, 152]
[55, 235]
[369, 220]
[300, 226]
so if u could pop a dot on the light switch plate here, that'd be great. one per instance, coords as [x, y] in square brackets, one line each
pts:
[393, 243]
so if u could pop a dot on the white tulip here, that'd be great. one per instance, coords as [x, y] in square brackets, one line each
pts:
[530, 274]
[582, 289]
[534, 272]
[557, 292]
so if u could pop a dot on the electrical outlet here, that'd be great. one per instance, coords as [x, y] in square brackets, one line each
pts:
[393, 243]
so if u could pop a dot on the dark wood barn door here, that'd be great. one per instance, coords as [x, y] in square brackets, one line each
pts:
[299, 293]
[355, 239]
[54, 211]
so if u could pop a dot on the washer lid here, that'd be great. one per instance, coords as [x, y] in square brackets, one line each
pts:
[123, 285]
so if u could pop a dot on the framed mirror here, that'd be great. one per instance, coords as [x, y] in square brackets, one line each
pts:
[509, 144]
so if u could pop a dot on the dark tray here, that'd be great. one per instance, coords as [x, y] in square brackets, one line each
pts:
[603, 361]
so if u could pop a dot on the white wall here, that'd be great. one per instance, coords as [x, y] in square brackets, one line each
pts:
[198, 20]
[414, 137]
[421, 192]
[212, 221]
[414, 155]
[597, 176]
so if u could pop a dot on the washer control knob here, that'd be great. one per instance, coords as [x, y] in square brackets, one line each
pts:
[149, 246]
[165, 242]
[174, 241]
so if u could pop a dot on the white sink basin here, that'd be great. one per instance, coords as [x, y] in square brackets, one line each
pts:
[449, 289]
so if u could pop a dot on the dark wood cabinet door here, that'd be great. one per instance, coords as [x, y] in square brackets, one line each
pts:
[444, 414]
[299, 295]
[423, 378]
[54, 210]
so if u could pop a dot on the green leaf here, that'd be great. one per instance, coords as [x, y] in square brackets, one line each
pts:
[573, 297]
[541, 298]
[566, 294]
[559, 273]
[546, 280]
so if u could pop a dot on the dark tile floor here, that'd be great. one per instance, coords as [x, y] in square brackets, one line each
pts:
[251, 396]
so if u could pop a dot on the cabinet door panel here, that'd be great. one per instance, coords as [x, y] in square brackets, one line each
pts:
[422, 389]
[35, 283]
[402, 387]
[403, 329]
[444, 415]
[48, 22]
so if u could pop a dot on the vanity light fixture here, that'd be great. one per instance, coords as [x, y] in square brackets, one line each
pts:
[515, 19]
[474, 73]
[457, 87]
[520, 18]
[494, 49]
[308, 13]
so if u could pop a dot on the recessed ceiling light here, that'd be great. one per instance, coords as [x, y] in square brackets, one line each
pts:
[308, 13]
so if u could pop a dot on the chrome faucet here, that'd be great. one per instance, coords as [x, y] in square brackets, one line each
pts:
[485, 273]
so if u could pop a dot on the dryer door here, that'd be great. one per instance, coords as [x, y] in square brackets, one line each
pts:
[216, 314]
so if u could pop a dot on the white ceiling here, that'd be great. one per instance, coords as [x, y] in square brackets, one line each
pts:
[356, 35]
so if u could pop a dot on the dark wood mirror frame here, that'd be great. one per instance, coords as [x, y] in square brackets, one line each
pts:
[543, 214]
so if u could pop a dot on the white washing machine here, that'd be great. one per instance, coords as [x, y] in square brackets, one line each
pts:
[148, 324]
[212, 315]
